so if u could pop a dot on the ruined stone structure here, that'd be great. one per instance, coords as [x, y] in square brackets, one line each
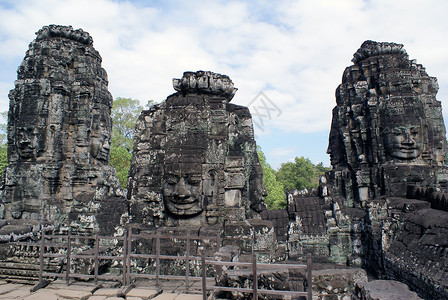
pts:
[383, 206]
[195, 159]
[387, 145]
[387, 126]
[59, 129]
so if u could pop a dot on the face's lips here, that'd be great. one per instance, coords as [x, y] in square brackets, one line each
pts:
[183, 201]
[407, 148]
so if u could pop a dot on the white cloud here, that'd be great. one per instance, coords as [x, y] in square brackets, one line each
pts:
[294, 51]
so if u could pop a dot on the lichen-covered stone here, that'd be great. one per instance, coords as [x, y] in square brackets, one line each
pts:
[387, 117]
[336, 284]
[383, 290]
[195, 159]
[387, 142]
[59, 127]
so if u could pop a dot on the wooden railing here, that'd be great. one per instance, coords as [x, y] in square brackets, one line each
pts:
[68, 256]
[65, 243]
[255, 290]
[158, 256]
[127, 255]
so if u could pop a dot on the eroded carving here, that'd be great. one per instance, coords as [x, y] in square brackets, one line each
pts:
[386, 114]
[195, 158]
[59, 128]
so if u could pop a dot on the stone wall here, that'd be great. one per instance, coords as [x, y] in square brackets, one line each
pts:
[59, 127]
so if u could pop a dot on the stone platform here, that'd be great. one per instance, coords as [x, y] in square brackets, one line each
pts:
[142, 290]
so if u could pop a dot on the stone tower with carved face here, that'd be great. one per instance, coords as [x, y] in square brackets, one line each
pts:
[387, 130]
[195, 159]
[59, 128]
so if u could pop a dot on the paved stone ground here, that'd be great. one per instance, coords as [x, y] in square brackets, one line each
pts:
[78, 290]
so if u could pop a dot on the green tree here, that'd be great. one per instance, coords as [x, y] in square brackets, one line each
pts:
[299, 174]
[3, 157]
[3, 144]
[125, 112]
[120, 159]
[276, 198]
[319, 169]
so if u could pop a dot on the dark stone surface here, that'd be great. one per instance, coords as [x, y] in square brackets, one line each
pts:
[280, 220]
[194, 159]
[383, 290]
[387, 142]
[59, 128]
[387, 130]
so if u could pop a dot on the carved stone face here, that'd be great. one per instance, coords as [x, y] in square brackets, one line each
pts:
[404, 142]
[28, 142]
[402, 128]
[182, 192]
[99, 141]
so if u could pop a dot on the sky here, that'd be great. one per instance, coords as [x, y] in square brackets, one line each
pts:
[285, 57]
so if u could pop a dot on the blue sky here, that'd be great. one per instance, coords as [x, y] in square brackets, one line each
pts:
[293, 51]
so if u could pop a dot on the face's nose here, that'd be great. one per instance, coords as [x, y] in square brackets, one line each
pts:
[106, 144]
[181, 189]
[408, 139]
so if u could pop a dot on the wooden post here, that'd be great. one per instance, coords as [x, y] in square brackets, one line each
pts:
[255, 276]
[204, 277]
[218, 269]
[41, 255]
[67, 265]
[310, 278]
[128, 255]
[97, 250]
[187, 261]
[218, 241]
[125, 258]
[157, 257]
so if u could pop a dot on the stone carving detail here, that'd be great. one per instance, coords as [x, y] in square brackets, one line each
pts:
[205, 83]
[59, 128]
[387, 116]
[195, 159]
[387, 142]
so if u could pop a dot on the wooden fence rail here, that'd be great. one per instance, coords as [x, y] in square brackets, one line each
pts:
[255, 290]
[69, 256]
[158, 237]
[127, 255]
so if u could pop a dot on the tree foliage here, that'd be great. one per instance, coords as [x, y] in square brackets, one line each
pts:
[3, 144]
[300, 174]
[296, 175]
[120, 159]
[276, 198]
[125, 112]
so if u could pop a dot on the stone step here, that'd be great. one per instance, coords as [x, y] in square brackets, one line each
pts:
[19, 279]
[19, 272]
[18, 265]
[23, 272]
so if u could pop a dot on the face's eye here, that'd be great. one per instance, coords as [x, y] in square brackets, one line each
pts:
[415, 130]
[194, 180]
[397, 131]
[172, 180]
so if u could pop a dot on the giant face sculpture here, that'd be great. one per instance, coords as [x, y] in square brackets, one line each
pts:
[194, 159]
[182, 189]
[402, 129]
[29, 141]
[405, 141]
